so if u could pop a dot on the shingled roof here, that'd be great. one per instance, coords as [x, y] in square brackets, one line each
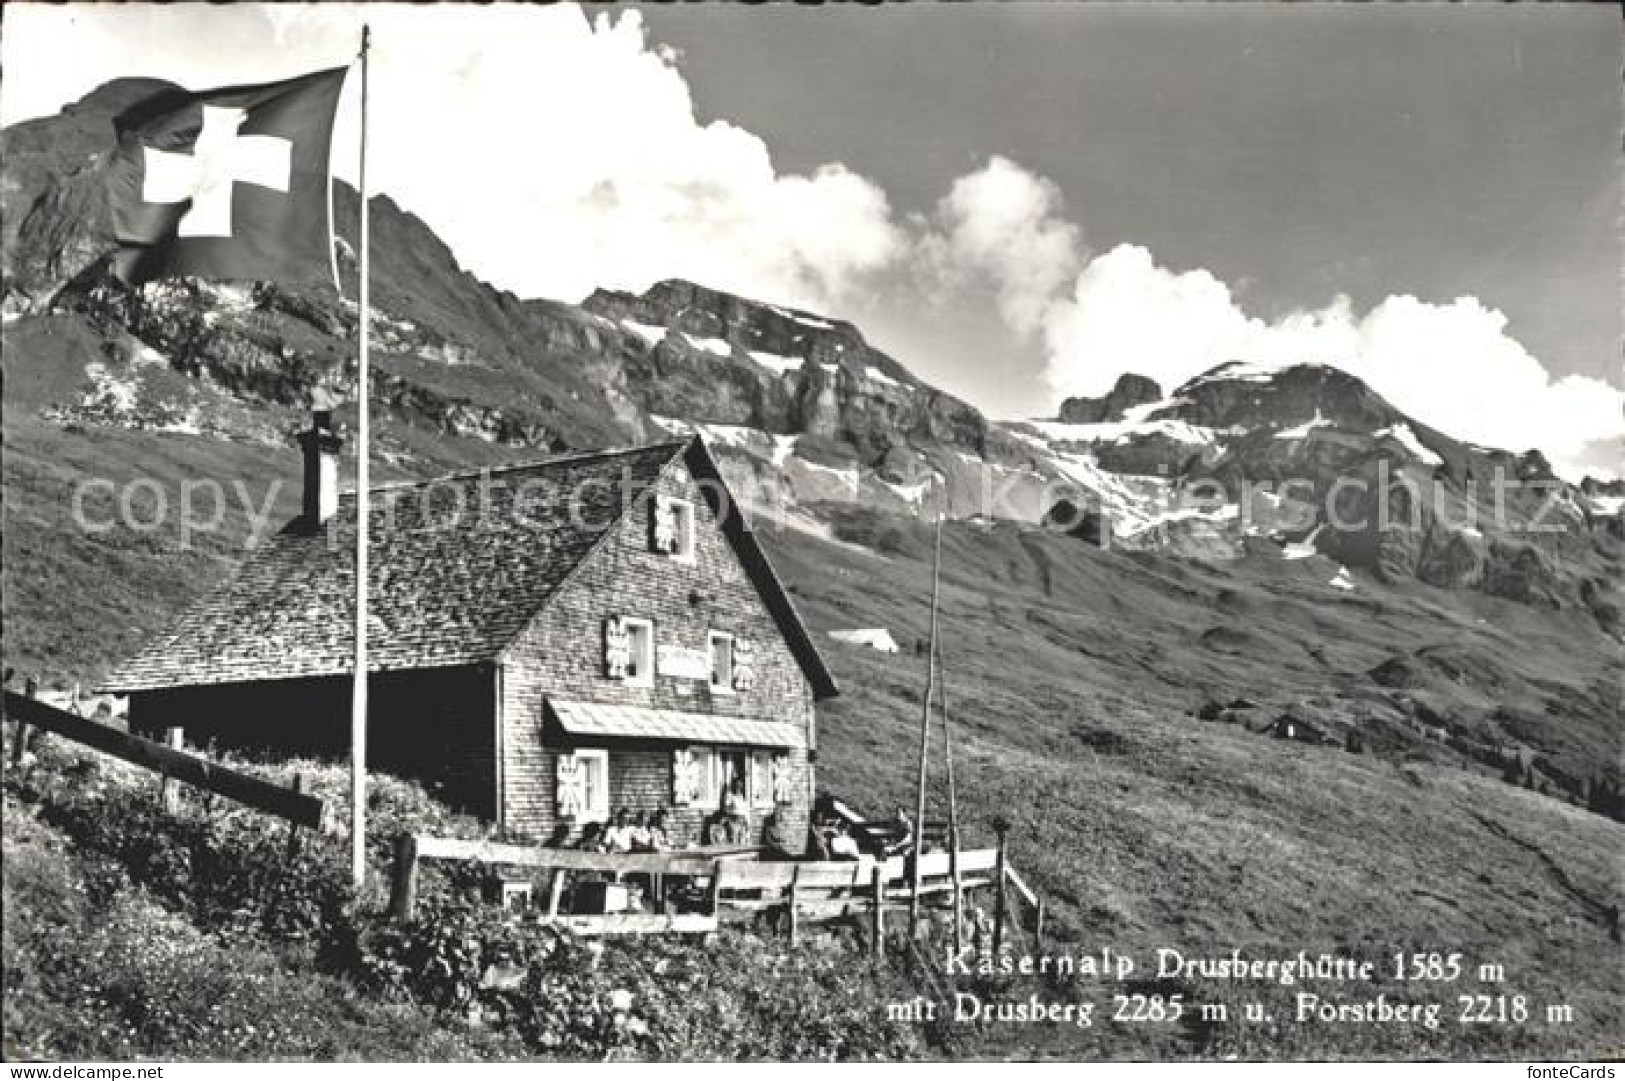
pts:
[446, 589]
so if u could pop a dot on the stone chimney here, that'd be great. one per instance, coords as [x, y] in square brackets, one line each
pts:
[321, 446]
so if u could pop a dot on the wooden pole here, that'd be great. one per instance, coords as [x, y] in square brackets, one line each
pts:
[20, 747]
[1038, 928]
[358, 701]
[555, 890]
[795, 898]
[877, 922]
[293, 827]
[403, 898]
[953, 821]
[169, 790]
[925, 741]
[716, 889]
[1002, 827]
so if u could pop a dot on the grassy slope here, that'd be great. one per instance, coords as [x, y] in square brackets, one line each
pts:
[96, 970]
[1071, 675]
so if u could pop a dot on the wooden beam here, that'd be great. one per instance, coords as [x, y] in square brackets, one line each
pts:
[1022, 888]
[634, 923]
[829, 908]
[244, 788]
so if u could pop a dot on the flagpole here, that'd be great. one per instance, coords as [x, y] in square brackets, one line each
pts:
[358, 702]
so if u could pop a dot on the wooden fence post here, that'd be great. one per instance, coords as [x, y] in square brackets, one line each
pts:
[20, 747]
[795, 896]
[293, 827]
[555, 890]
[404, 896]
[169, 789]
[1001, 827]
[877, 923]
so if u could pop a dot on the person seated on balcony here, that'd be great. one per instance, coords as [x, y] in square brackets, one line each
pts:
[618, 838]
[775, 839]
[592, 837]
[639, 831]
[904, 839]
[736, 813]
[843, 846]
[655, 838]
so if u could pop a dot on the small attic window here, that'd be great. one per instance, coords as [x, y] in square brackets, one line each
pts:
[722, 662]
[671, 529]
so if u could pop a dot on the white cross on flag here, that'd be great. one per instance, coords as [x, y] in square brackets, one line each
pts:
[226, 183]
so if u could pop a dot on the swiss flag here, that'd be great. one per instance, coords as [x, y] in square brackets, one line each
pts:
[228, 183]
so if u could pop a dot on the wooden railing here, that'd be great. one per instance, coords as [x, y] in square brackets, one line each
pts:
[699, 862]
[256, 792]
[736, 882]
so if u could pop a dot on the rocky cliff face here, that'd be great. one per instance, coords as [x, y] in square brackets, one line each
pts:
[1130, 390]
[1313, 459]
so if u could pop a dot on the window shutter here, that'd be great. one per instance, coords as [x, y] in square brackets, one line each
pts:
[572, 786]
[781, 778]
[663, 526]
[617, 648]
[744, 661]
[687, 776]
[761, 779]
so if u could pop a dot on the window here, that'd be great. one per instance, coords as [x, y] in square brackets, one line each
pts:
[629, 650]
[671, 529]
[640, 668]
[583, 785]
[722, 662]
[722, 766]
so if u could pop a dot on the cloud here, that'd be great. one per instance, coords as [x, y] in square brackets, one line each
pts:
[579, 161]
[1453, 366]
[1006, 227]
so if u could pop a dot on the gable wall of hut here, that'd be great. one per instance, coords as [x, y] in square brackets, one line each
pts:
[562, 654]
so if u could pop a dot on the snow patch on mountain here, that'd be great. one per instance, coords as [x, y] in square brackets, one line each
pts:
[776, 363]
[1237, 370]
[650, 334]
[1303, 430]
[913, 494]
[1406, 437]
[1304, 548]
[1606, 505]
[714, 346]
[1122, 431]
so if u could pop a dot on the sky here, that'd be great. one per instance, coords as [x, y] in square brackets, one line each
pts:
[1018, 201]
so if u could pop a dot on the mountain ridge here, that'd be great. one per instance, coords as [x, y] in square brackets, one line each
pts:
[1205, 683]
